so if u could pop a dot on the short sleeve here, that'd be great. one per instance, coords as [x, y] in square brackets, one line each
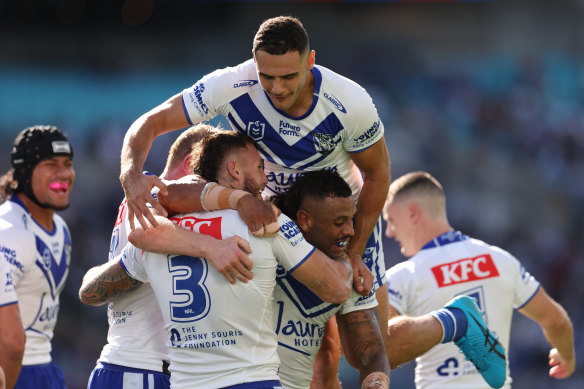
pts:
[398, 284]
[132, 261]
[289, 245]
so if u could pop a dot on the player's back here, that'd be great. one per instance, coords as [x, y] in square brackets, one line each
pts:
[136, 336]
[221, 334]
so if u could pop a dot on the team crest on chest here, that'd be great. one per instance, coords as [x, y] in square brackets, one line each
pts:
[256, 129]
[325, 143]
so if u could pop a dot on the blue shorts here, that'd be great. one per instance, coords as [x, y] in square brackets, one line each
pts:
[109, 376]
[47, 376]
[257, 385]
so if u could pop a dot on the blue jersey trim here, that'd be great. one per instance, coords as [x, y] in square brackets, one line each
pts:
[530, 298]
[185, 110]
[9, 303]
[303, 260]
[364, 148]
[14, 198]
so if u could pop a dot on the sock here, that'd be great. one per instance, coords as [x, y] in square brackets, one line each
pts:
[453, 322]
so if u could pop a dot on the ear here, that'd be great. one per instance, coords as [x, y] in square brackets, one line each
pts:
[186, 166]
[303, 220]
[234, 170]
[414, 213]
[311, 59]
[253, 55]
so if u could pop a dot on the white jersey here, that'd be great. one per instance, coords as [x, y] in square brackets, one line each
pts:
[8, 293]
[39, 263]
[342, 120]
[220, 334]
[136, 336]
[300, 319]
[450, 265]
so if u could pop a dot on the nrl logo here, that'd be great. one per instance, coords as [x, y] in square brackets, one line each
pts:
[255, 130]
[324, 143]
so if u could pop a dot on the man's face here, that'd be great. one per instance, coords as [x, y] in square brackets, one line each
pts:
[283, 77]
[52, 180]
[399, 226]
[254, 178]
[330, 223]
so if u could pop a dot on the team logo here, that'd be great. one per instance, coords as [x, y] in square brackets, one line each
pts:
[255, 130]
[324, 143]
[46, 258]
[241, 83]
[336, 103]
[210, 226]
[465, 270]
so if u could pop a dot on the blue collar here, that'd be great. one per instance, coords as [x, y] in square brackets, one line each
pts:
[444, 239]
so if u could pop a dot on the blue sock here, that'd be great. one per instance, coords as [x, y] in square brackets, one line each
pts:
[453, 322]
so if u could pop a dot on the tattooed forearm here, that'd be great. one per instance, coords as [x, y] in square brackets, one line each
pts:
[366, 340]
[104, 283]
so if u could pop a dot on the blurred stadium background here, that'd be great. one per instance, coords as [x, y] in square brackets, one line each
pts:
[486, 95]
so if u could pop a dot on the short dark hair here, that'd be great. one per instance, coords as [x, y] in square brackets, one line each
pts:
[281, 34]
[318, 185]
[208, 154]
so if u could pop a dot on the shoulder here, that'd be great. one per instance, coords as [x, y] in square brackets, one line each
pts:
[402, 269]
[343, 92]
[236, 78]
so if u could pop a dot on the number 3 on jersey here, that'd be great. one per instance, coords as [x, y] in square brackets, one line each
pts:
[191, 299]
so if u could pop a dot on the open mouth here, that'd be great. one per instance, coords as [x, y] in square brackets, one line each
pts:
[342, 243]
[61, 187]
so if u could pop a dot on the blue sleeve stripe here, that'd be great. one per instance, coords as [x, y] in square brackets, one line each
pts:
[185, 110]
[531, 297]
[365, 148]
[9, 303]
[303, 260]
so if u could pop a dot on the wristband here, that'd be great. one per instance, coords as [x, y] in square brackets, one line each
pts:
[377, 380]
[215, 196]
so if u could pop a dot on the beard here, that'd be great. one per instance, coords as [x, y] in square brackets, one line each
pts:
[255, 190]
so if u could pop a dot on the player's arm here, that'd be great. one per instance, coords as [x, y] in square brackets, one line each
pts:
[558, 330]
[228, 256]
[330, 279]
[326, 361]
[361, 338]
[374, 163]
[194, 194]
[102, 284]
[168, 116]
[12, 341]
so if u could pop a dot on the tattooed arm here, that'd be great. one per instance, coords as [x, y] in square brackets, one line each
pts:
[362, 343]
[102, 284]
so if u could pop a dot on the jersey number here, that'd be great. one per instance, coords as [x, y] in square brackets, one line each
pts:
[191, 300]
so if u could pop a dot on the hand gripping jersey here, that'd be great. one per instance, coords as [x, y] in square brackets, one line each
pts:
[450, 265]
[220, 334]
[341, 120]
[39, 263]
[300, 319]
[136, 336]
